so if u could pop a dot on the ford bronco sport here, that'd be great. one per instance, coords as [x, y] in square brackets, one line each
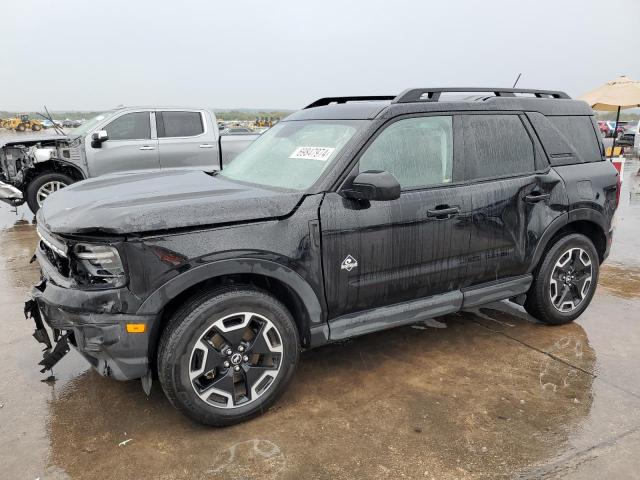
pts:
[353, 215]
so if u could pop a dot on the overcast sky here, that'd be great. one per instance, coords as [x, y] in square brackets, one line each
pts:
[89, 55]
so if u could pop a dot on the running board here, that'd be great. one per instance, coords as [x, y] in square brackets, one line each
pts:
[360, 323]
[497, 290]
[363, 322]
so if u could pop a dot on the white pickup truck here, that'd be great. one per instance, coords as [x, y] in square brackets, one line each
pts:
[122, 140]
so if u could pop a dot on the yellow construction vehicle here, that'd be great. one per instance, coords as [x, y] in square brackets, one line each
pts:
[22, 124]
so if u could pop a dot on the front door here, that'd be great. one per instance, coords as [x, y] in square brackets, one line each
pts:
[130, 147]
[380, 253]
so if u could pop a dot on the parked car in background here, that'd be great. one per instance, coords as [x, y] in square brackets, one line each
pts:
[628, 137]
[604, 128]
[351, 216]
[123, 140]
[70, 123]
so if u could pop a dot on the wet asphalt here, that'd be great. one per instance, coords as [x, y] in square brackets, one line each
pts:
[487, 393]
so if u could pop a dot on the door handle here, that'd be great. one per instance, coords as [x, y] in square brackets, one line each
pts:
[206, 145]
[536, 197]
[147, 147]
[442, 212]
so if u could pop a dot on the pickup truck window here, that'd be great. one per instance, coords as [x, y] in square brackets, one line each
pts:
[131, 126]
[179, 124]
[292, 155]
[417, 151]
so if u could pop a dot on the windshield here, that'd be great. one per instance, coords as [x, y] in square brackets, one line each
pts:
[89, 124]
[292, 154]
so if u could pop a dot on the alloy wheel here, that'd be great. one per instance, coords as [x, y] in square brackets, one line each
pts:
[571, 279]
[236, 360]
[47, 189]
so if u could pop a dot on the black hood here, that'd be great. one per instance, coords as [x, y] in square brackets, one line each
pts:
[155, 201]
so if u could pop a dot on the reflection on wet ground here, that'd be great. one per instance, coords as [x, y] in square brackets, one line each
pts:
[487, 393]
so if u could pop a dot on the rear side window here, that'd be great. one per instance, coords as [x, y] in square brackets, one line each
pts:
[417, 151]
[580, 135]
[496, 146]
[131, 126]
[181, 124]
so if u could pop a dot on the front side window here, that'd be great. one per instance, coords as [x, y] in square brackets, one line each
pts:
[496, 146]
[417, 151]
[181, 124]
[293, 154]
[131, 126]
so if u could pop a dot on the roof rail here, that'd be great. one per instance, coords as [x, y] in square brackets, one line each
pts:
[433, 94]
[328, 100]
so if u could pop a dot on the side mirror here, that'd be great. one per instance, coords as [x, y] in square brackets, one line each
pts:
[98, 137]
[374, 185]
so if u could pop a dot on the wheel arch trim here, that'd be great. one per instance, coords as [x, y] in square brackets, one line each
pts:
[565, 220]
[267, 268]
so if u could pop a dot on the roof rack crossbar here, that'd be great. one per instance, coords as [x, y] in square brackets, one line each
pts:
[328, 100]
[433, 94]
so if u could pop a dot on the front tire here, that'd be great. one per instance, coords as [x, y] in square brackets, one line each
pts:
[43, 185]
[227, 355]
[565, 282]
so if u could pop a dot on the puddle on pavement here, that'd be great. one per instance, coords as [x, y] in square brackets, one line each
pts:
[622, 281]
[445, 402]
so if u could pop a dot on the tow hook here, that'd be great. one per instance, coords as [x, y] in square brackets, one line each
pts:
[50, 355]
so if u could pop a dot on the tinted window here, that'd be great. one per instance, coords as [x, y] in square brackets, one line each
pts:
[182, 124]
[131, 126]
[495, 146]
[417, 151]
[580, 135]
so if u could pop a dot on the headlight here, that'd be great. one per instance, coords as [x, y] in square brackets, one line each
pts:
[98, 266]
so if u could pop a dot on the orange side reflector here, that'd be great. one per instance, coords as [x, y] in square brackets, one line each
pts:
[135, 327]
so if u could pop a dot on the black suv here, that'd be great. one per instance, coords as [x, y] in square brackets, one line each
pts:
[353, 215]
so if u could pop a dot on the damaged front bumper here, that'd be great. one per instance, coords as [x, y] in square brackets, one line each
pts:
[101, 338]
[10, 194]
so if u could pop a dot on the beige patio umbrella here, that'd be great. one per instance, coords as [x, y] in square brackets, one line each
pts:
[623, 92]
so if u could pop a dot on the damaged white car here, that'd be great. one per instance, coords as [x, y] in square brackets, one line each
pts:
[122, 140]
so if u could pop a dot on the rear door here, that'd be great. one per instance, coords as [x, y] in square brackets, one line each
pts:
[514, 194]
[380, 253]
[131, 146]
[187, 139]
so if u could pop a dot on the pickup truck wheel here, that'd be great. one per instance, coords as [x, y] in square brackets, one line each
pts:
[566, 281]
[44, 185]
[227, 355]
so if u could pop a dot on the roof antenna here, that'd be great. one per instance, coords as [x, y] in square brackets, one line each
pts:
[517, 80]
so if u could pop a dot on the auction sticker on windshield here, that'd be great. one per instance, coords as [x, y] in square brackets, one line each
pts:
[312, 153]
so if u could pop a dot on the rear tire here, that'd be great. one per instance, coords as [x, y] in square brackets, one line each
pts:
[38, 187]
[227, 355]
[565, 281]
[36, 128]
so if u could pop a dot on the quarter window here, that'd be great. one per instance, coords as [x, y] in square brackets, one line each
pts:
[181, 124]
[417, 151]
[496, 146]
[580, 134]
[131, 126]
